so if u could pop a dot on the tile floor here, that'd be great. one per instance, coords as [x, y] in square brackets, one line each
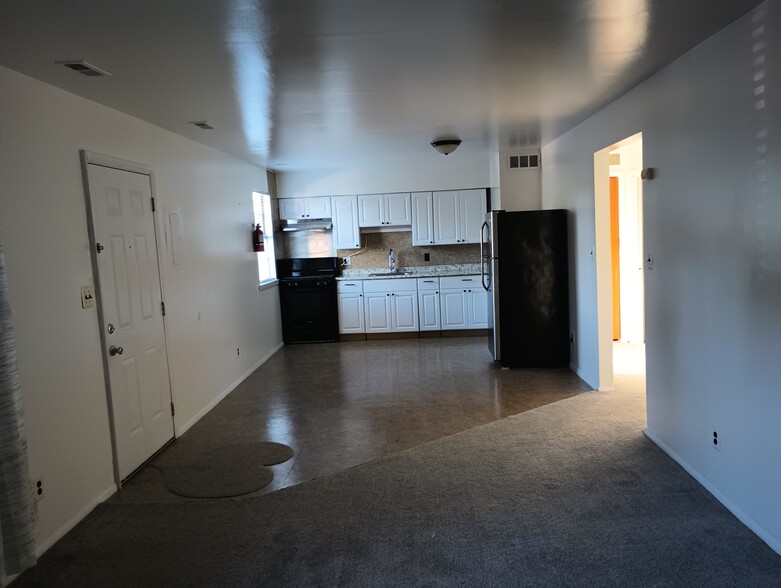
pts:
[342, 404]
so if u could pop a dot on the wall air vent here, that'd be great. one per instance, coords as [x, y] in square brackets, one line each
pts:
[84, 68]
[202, 124]
[523, 161]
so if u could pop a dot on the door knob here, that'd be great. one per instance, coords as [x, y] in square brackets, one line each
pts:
[114, 350]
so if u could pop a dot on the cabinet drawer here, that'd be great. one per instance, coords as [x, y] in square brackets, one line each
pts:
[465, 282]
[392, 285]
[428, 284]
[349, 286]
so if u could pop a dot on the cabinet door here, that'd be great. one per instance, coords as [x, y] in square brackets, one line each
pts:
[404, 311]
[453, 309]
[292, 208]
[471, 215]
[422, 222]
[445, 206]
[428, 310]
[478, 308]
[370, 210]
[345, 214]
[319, 207]
[377, 312]
[397, 209]
[351, 313]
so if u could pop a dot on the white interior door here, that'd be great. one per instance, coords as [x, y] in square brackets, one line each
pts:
[131, 314]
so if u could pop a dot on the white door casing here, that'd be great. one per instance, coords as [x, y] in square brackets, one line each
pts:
[125, 257]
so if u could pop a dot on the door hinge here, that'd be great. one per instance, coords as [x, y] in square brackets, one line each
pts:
[173, 410]
[153, 204]
[99, 248]
[162, 307]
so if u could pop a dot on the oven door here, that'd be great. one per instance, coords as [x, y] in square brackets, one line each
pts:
[309, 313]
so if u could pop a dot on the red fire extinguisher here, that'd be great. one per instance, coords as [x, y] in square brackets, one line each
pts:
[257, 239]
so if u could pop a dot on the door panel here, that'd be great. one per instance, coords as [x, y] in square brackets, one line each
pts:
[370, 210]
[130, 299]
[446, 217]
[472, 215]
[615, 257]
[453, 307]
[397, 209]
[378, 313]
[404, 315]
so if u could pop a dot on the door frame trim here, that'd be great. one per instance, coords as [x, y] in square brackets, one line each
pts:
[92, 158]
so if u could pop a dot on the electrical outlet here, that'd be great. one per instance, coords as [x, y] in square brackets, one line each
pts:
[238, 351]
[426, 257]
[347, 261]
[649, 260]
[87, 296]
[572, 336]
[38, 488]
[716, 441]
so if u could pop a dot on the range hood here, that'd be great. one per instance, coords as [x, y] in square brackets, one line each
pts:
[306, 224]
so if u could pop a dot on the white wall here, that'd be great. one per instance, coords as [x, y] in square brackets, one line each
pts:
[43, 228]
[713, 221]
[437, 172]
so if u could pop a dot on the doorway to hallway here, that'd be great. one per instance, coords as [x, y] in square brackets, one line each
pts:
[618, 192]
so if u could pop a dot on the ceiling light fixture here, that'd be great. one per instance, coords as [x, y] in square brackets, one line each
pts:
[446, 146]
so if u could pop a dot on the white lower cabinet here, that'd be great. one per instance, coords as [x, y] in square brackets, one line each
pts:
[391, 306]
[463, 302]
[351, 311]
[408, 304]
[377, 307]
[428, 304]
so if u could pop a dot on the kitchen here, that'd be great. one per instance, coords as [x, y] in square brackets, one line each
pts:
[421, 264]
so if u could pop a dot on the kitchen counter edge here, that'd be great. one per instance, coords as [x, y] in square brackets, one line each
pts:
[434, 271]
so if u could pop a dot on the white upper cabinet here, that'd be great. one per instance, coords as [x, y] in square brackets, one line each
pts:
[299, 208]
[346, 233]
[371, 210]
[458, 216]
[446, 226]
[472, 215]
[397, 209]
[384, 210]
[422, 219]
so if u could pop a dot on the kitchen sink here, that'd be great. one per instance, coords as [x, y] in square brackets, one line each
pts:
[389, 274]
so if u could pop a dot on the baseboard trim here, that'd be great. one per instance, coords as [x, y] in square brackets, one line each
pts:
[582, 376]
[755, 527]
[44, 545]
[181, 430]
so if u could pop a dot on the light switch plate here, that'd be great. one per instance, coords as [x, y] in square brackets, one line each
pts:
[87, 296]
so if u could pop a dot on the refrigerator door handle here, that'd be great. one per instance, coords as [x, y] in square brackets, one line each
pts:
[483, 258]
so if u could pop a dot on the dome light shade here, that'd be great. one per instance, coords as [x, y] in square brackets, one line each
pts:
[446, 146]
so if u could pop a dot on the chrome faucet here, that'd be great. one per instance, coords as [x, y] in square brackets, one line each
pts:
[391, 261]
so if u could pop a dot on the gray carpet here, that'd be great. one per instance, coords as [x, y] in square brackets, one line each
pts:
[570, 494]
[231, 470]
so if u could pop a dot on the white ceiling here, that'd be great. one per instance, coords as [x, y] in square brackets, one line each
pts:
[294, 84]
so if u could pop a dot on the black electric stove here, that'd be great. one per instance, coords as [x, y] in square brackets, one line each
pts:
[307, 294]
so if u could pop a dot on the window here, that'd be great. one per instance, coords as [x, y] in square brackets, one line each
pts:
[267, 269]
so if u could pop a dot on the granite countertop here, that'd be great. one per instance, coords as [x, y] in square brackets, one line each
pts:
[428, 271]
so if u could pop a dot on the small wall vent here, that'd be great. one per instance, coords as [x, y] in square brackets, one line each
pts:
[202, 124]
[84, 68]
[523, 161]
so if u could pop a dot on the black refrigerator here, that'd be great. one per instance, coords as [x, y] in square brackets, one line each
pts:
[525, 271]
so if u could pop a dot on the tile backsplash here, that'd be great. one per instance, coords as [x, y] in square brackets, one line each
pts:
[375, 246]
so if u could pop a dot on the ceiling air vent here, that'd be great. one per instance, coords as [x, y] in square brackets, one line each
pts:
[202, 124]
[523, 161]
[84, 68]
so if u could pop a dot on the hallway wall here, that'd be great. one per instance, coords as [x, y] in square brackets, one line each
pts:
[710, 125]
[212, 301]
